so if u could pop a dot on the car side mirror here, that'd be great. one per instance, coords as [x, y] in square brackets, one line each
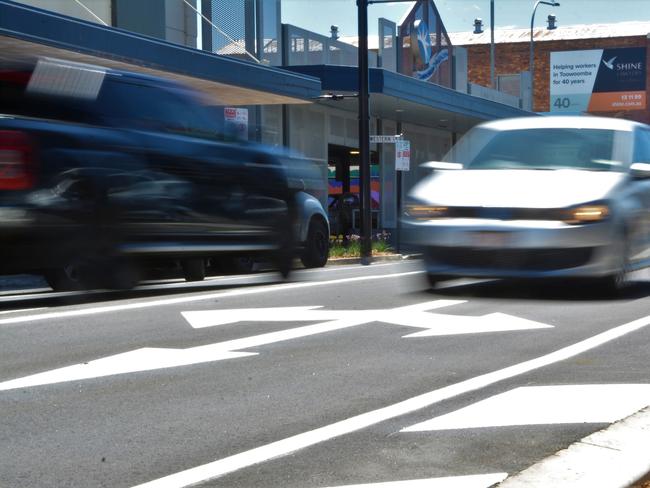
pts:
[640, 171]
[441, 165]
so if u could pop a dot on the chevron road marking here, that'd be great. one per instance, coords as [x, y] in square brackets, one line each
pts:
[545, 405]
[283, 447]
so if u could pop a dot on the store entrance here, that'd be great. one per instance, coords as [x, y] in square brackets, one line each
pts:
[343, 190]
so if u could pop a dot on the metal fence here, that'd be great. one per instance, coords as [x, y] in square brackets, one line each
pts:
[305, 48]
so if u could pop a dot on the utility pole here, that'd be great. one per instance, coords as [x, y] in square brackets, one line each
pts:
[364, 127]
[364, 133]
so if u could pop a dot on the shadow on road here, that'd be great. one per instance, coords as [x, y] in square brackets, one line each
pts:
[39, 296]
[540, 290]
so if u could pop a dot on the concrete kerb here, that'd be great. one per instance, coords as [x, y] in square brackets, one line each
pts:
[615, 457]
[374, 259]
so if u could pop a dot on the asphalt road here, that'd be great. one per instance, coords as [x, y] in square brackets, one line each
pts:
[343, 376]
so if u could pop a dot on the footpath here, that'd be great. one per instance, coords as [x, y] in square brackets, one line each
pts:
[615, 457]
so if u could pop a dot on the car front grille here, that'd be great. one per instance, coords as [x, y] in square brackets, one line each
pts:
[510, 259]
[506, 213]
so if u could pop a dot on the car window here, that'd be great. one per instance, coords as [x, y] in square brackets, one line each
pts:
[642, 146]
[150, 107]
[544, 148]
[17, 100]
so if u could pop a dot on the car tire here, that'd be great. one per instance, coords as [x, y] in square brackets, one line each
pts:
[64, 279]
[284, 261]
[282, 258]
[616, 283]
[122, 275]
[433, 279]
[243, 265]
[193, 269]
[317, 245]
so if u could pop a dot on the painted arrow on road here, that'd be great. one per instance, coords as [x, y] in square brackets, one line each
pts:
[148, 359]
[417, 315]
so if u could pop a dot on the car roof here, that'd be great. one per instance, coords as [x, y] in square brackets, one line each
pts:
[562, 122]
[141, 76]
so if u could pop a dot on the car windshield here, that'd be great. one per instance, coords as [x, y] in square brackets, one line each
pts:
[539, 148]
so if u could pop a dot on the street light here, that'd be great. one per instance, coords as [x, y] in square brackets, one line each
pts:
[551, 25]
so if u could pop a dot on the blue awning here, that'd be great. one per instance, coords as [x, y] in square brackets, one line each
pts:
[31, 32]
[416, 101]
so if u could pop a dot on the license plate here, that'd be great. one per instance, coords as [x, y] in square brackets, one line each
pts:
[489, 239]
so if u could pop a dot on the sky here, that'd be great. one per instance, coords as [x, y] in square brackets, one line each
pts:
[459, 15]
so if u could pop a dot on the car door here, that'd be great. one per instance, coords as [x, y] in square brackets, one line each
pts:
[203, 186]
[641, 154]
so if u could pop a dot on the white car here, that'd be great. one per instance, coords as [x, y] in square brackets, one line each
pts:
[538, 197]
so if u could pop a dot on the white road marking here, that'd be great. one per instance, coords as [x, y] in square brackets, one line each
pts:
[294, 443]
[458, 324]
[469, 481]
[195, 298]
[4, 312]
[148, 359]
[411, 316]
[545, 405]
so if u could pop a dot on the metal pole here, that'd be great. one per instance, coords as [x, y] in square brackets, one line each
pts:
[398, 195]
[364, 133]
[492, 74]
[531, 62]
[532, 52]
[206, 30]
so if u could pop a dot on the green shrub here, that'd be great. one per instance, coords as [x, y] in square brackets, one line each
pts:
[350, 245]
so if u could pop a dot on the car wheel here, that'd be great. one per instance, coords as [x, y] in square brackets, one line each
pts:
[433, 279]
[284, 261]
[64, 279]
[241, 265]
[616, 283]
[122, 275]
[317, 246]
[283, 257]
[193, 269]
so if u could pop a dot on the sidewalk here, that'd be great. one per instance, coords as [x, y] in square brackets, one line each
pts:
[615, 457]
[375, 259]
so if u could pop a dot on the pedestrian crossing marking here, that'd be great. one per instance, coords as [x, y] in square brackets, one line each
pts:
[545, 405]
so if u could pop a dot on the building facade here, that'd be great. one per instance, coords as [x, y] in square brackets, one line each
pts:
[171, 20]
[571, 66]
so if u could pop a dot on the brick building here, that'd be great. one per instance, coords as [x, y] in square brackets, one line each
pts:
[512, 54]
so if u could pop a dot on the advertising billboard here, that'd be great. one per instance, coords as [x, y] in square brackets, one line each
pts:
[598, 80]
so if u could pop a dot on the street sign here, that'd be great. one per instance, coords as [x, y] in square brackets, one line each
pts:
[236, 122]
[402, 155]
[381, 139]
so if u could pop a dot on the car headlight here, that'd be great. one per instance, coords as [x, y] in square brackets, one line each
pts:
[587, 213]
[425, 212]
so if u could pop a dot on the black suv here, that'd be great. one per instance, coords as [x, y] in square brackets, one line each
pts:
[105, 173]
